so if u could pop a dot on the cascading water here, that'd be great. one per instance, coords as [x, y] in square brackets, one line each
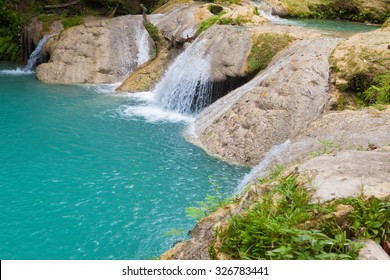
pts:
[264, 163]
[143, 46]
[265, 11]
[186, 85]
[275, 19]
[36, 54]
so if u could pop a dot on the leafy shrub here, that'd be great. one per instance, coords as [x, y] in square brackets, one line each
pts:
[10, 26]
[370, 218]
[378, 92]
[277, 227]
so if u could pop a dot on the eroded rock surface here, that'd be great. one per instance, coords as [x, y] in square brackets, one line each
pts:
[273, 107]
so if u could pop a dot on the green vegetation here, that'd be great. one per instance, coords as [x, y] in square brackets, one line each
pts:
[370, 91]
[14, 15]
[72, 21]
[11, 24]
[335, 9]
[378, 92]
[227, 1]
[153, 32]
[222, 1]
[207, 23]
[327, 147]
[264, 48]
[370, 218]
[287, 225]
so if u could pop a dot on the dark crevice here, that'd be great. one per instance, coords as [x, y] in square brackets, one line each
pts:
[213, 90]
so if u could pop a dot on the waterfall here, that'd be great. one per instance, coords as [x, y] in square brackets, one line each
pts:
[36, 54]
[264, 163]
[186, 85]
[265, 11]
[275, 19]
[143, 47]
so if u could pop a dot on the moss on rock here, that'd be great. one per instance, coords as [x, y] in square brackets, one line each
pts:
[361, 65]
[265, 47]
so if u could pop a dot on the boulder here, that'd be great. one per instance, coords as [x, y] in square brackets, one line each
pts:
[99, 51]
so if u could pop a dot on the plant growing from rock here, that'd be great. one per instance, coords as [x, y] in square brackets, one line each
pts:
[286, 224]
[265, 46]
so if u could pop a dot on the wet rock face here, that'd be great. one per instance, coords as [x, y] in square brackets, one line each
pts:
[273, 107]
[99, 51]
[32, 33]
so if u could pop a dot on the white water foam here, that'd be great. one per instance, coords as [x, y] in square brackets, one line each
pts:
[15, 72]
[264, 163]
[102, 88]
[275, 19]
[148, 107]
[154, 114]
[185, 85]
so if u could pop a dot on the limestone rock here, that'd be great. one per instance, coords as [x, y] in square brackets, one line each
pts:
[174, 22]
[229, 47]
[148, 74]
[99, 51]
[372, 251]
[273, 107]
[179, 20]
[350, 173]
[335, 132]
[196, 248]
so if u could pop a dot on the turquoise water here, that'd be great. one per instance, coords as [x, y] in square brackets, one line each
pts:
[82, 176]
[333, 25]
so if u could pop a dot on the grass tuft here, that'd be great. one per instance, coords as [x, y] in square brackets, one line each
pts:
[287, 225]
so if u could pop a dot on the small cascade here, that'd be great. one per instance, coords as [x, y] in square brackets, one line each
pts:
[275, 19]
[36, 54]
[264, 163]
[265, 11]
[186, 86]
[143, 46]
